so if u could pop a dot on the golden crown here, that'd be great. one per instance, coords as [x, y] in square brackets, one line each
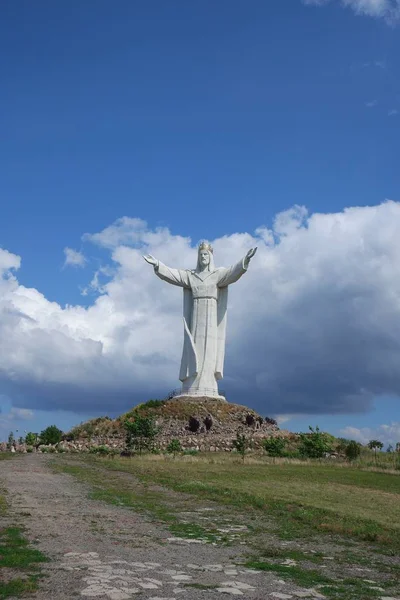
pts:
[205, 246]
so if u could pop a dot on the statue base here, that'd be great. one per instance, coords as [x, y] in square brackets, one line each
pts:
[199, 399]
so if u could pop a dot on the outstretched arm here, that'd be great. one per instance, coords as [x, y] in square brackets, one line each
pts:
[175, 276]
[235, 272]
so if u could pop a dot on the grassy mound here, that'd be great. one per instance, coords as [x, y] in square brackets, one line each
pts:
[224, 414]
[182, 410]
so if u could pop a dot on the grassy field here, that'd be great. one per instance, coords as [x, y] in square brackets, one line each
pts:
[298, 511]
[316, 497]
[294, 511]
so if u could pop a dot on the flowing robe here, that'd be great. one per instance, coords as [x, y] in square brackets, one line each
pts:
[205, 299]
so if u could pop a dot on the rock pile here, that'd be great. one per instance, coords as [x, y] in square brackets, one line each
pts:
[209, 425]
[202, 425]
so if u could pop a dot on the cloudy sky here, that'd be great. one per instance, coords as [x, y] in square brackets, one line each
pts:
[145, 127]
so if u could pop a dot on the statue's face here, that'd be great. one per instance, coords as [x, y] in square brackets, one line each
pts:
[204, 258]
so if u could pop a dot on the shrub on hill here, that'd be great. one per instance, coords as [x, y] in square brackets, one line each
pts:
[140, 433]
[146, 409]
[174, 447]
[100, 450]
[315, 444]
[100, 426]
[190, 452]
[51, 435]
[275, 446]
[241, 444]
[30, 438]
[352, 450]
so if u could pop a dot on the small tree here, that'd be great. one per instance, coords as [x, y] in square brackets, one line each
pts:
[275, 446]
[314, 444]
[375, 445]
[389, 448]
[51, 435]
[174, 447]
[30, 438]
[241, 444]
[352, 450]
[140, 433]
[11, 440]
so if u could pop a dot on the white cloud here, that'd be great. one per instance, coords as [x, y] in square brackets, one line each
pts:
[393, 112]
[386, 9]
[371, 104]
[96, 286]
[24, 414]
[282, 419]
[73, 258]
[8, 262]
[125, 230]
[388, 434]
[313, 327]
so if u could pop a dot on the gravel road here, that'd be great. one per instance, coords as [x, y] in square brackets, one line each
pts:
[111, 552]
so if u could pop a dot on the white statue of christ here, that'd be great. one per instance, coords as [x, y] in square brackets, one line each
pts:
[205, 299]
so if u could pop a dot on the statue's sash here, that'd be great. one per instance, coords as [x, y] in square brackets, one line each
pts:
[189, 367]
[222, 312]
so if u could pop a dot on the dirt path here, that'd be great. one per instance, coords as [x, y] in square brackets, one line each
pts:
[111, 552]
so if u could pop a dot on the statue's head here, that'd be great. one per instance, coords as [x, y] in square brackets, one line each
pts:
[205, 258]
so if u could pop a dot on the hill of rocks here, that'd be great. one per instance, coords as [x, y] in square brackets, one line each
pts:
[202, 424]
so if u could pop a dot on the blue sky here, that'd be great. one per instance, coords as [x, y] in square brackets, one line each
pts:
[203, 119]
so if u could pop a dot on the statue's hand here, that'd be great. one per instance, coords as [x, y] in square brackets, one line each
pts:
[150, 259]
[249, 256]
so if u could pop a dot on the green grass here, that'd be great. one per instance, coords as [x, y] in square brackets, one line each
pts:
[194, 531]
[6, 455]
[306, 578]
[18, 587]
[302, 499]
[15, 551]
[345, 589]
[22, 560]
[3, 505]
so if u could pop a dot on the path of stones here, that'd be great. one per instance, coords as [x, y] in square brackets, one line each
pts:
[131, 557]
